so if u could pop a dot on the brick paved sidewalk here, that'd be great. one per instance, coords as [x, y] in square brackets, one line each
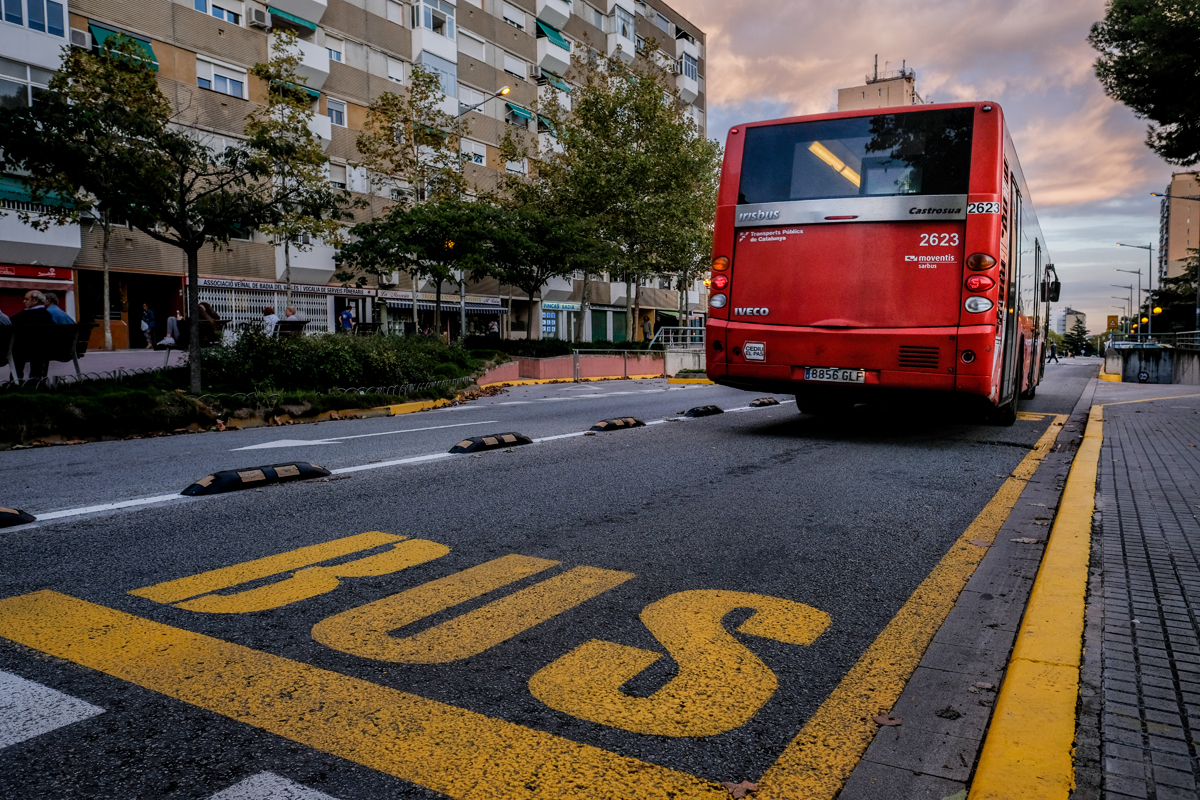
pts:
[1141, 685]
[100, 361]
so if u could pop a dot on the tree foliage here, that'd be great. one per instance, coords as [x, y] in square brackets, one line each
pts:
[1177, 298]
[1077, 340]
[1149, 61]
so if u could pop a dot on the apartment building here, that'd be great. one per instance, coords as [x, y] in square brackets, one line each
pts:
[1178, 223]
[1064, 320]
[352, 52]
[881, 90]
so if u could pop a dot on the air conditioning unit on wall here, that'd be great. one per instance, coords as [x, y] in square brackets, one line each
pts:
[81, 39]
[259, 18]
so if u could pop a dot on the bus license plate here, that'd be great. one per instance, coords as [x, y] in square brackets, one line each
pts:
[834, 374]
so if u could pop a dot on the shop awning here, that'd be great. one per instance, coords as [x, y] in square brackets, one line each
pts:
[549, 125]
[101, 33]
[553, 35]
[555, 81]
[13, 189]
[313, 93]
[520, 112]
[448, 306]
[303, 23]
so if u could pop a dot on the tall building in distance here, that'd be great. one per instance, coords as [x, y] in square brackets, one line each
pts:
[1178, 223]
[1064, 320]
[882, 90]
[352, 52]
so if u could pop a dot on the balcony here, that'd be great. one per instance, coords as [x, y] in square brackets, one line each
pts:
[322, 127]
[314, 64]
[554, 12]
[628, 5]
[627, 47]
[314, 266]
[56, 247]
[552, 56]
[435, 43]
[551, 89]
[547, 144]
[311, 10]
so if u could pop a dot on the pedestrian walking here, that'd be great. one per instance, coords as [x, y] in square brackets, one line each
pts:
[148, 324]
[270, 320]
[60, 317]
[30, 348]
[346, 320]
[647, 329]
[1053, 353]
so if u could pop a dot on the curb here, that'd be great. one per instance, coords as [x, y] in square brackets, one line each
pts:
[1029, 748]
[350, 413]
[698, 381]
[538, 381]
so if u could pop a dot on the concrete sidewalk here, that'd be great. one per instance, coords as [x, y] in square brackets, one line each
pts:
[97, 362]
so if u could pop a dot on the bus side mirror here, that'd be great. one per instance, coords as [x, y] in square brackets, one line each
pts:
[1055, 288]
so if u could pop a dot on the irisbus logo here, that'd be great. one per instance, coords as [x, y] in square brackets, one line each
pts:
[755, 216]
[751, 312]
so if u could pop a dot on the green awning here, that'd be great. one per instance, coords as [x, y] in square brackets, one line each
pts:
[303, 23]
[548, 124]
[14, 189]
[553, 35]
[100, 34]
[313, 93]
[520, 112]
[555, 81]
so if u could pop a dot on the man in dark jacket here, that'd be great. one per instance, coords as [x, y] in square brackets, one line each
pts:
[30, 348]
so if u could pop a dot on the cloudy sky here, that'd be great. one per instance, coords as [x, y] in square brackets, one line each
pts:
[1089, 172]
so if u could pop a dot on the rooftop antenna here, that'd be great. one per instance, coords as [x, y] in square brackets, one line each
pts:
[876, 66]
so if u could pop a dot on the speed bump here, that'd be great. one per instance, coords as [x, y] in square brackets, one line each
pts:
[231, 480]
[12, 516]
[617, 424]
[764, 401]
[704, 411]
[494, 441]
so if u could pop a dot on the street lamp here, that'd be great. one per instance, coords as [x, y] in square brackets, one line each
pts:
[1130, 298]
[462, 275]
[1124, 309]
[1149, 248]
[1139, 289]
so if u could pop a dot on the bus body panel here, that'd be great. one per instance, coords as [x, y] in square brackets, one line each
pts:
[845, 293]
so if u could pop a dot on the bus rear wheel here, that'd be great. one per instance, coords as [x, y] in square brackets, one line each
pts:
[1004, 415]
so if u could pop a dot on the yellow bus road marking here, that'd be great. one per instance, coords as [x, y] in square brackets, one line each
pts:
[363, 631]
[1028, 749]
[816, 764]
[225, 577]
[450, 750]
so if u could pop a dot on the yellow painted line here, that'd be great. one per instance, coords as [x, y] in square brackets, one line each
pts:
[460, 753]
[817, 762]
[1104, 376]
[1150, 400]
[539, 381]
[225, 577]
[408, 408]
[1028, 752]
[703, 381]
[1031, 416]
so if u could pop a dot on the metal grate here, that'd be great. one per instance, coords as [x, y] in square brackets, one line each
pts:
[246, 305]
[918, 357]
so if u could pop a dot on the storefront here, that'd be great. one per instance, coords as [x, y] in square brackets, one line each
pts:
[558, 319]
[17, 279]
[481, 312]
[243, 301]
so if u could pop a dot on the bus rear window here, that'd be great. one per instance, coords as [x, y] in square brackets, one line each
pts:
[914, 153]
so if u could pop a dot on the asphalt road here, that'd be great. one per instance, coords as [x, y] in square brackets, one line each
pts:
[845, 516]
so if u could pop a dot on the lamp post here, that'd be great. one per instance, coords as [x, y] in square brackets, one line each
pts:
[1186, 197]
[1130, 299]
[1149, 248]
[462, 274]
[1124, 315]
[1138, 312]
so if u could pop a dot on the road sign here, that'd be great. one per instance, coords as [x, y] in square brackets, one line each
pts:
[1113, 322]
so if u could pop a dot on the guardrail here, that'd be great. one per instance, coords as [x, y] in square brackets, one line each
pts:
[1186, 340]
[683, 337]
[575, 354]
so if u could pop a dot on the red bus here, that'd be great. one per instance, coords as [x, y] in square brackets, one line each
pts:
[863, 254]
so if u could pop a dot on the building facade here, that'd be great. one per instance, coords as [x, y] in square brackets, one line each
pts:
[1178, 223]
[352, 52]
[1064, 320]
[881, 90]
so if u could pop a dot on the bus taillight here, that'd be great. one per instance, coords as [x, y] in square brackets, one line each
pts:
[980, 261]
[718, 301]
[720, 281]
[979, 283]
[720, 264]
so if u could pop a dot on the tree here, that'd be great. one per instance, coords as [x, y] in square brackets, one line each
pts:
[316, 212]
[1177, 297]
[79, 147]
[1149, 61]
[1076, 339]
[632, 164]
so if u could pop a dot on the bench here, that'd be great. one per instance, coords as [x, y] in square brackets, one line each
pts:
[294, 327]
[367, 328]
[33, 344]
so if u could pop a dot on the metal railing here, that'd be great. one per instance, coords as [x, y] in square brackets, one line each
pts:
[680, 338]
[1186, 340]
[601, 352]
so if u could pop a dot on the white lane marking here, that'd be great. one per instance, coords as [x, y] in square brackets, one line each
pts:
[29, 709]
[339, 439]
[269, 786]
[560, 436]
[382, 464]
[75, 512]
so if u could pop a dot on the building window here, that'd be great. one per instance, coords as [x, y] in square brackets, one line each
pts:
[515, 67]
[595, 17]
[435, 15]
[227, 9]
[516, 167]
[471, 46]
[468, 97]
[336, 111]
[641, 44]
[395, 12]
[334, 47]
[13, 12]
[662, 22]
[473, 152]
[690, 68]
[623, 22]
[513, 16]
[395, 70]
[20, 85]
[45, 16]
[337, 175]
[446, 70]
[218, 78]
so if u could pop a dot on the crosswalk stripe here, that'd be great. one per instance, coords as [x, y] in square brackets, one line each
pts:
[269, 786]
[29, 709]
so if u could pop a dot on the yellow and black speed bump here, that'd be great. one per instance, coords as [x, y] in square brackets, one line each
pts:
[617, 424]
[495, 441]
[704, 411]
[231, 480]
[764, 401]
[11, 516]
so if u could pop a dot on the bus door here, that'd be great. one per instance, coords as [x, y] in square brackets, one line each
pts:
[1009, 379]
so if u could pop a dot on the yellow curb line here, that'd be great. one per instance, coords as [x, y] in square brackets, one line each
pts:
[349, 413]
[1104, 376]
[818, 761]
[535, 382]
[702, 381]
[1029, 749]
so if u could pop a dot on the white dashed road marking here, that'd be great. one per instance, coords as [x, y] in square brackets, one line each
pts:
[269, 786]
[29, 709]
[339, 439]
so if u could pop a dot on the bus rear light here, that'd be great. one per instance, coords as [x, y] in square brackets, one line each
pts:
[718, 301]
[968, 356]
[978, 305]
[720, 281]
[845, 216]
[979, 283]
[980, 261]
[720, 264]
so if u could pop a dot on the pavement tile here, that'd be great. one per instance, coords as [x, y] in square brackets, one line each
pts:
[1130, 787]
[1174, 777]
[1171, 760]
